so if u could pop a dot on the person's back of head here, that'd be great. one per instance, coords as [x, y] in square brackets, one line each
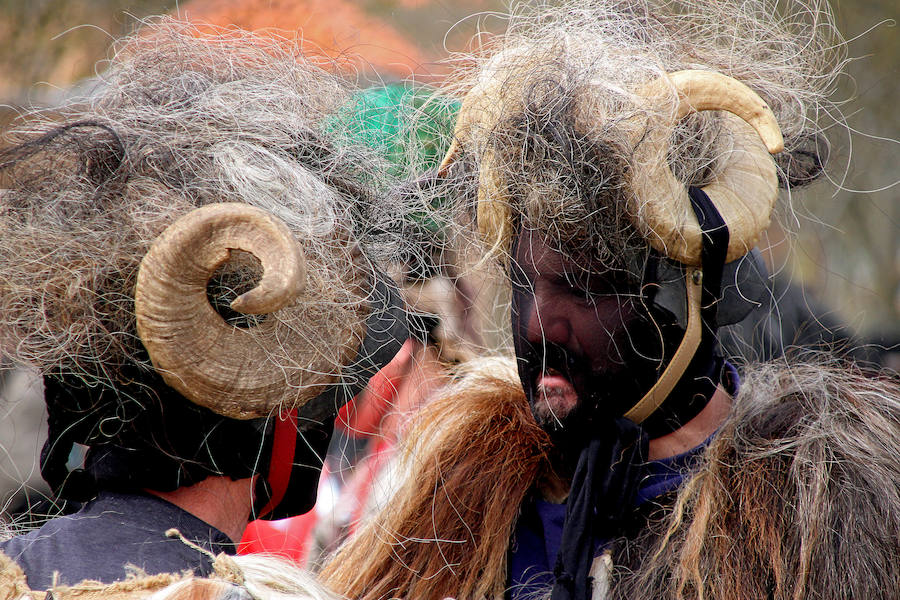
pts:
[798, 496]
[192, 256]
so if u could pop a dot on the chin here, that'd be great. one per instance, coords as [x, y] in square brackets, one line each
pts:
[554, 398]
[548, 417]
[564, 423]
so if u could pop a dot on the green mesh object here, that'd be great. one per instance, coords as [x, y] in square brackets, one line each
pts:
[411, 128]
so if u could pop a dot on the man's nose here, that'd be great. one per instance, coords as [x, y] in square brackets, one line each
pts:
[547, 322]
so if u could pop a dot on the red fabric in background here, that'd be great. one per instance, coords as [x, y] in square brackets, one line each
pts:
[377, 412]
[287, 538]
[362, 416]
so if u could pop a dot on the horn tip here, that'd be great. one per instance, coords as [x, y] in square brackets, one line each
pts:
[775, 146]
[449, 157]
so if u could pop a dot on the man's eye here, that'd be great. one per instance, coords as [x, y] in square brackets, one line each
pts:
[568, 284]
[582, 293]
[586, 287]
[591, 295]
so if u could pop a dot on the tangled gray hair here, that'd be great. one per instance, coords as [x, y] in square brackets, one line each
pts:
[798, 496]
[560, 135]
[182, 118]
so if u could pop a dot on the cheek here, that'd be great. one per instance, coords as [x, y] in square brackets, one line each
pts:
[602, 331]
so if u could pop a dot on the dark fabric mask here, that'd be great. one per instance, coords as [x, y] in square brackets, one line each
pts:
[652, 332]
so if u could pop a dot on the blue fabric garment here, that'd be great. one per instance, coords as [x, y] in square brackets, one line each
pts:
[667, 474]
[538, 531]
[534, 546]
[110, 532]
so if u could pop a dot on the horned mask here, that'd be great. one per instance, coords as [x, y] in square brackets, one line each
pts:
[654, 201]
[604, 126]
[199, 209]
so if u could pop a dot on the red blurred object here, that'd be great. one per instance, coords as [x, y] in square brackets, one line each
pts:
[362, 416]
[337, 30]
[287, 538]
[378, 412]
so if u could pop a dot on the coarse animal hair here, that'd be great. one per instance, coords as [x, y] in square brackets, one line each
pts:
[273, 578]
[431, 542]
[564, 121]
[239, 577]
[798, 496]
[181, 118]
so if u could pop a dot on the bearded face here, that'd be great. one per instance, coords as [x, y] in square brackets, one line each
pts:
[587, 348]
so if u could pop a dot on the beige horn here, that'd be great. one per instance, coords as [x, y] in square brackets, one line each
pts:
[478, 114]
[744, 193]
[207, 360]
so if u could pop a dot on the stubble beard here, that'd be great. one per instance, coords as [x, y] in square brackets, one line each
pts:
[573, 402]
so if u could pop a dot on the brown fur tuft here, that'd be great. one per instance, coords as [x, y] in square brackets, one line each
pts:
[477, 437]
[799, 496]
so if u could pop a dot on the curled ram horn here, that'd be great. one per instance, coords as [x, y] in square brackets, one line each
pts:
[210, 362]
[744, 192]
[479, 112]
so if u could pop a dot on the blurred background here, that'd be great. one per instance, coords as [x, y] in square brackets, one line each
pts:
[840, 242]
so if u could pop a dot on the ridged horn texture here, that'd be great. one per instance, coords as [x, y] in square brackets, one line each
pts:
[207, 360]
[744, 192]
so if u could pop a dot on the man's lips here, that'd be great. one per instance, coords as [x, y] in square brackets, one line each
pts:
[556, 393]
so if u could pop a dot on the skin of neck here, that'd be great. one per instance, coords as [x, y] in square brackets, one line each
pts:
[694, 432]
[219, 501]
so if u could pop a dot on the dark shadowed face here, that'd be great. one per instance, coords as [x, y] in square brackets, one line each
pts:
[585, 347]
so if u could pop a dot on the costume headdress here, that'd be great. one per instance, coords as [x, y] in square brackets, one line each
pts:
[190, 260]
[617, 128]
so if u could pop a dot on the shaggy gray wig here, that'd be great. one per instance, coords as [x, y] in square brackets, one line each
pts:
[565, 121]
[178, 119]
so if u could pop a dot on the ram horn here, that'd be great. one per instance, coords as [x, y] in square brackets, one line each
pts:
[207, 360]
[744, 193]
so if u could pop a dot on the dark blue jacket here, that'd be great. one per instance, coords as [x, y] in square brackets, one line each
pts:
[110, 532]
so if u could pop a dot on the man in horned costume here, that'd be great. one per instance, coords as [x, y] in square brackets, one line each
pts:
[187, 256]
[621, 158]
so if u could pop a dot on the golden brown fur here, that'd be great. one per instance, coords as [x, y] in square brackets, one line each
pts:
[478, 437]
[799, 496]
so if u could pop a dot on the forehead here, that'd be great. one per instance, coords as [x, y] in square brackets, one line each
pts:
[538, 256]
[536, 252]
[533, 253]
